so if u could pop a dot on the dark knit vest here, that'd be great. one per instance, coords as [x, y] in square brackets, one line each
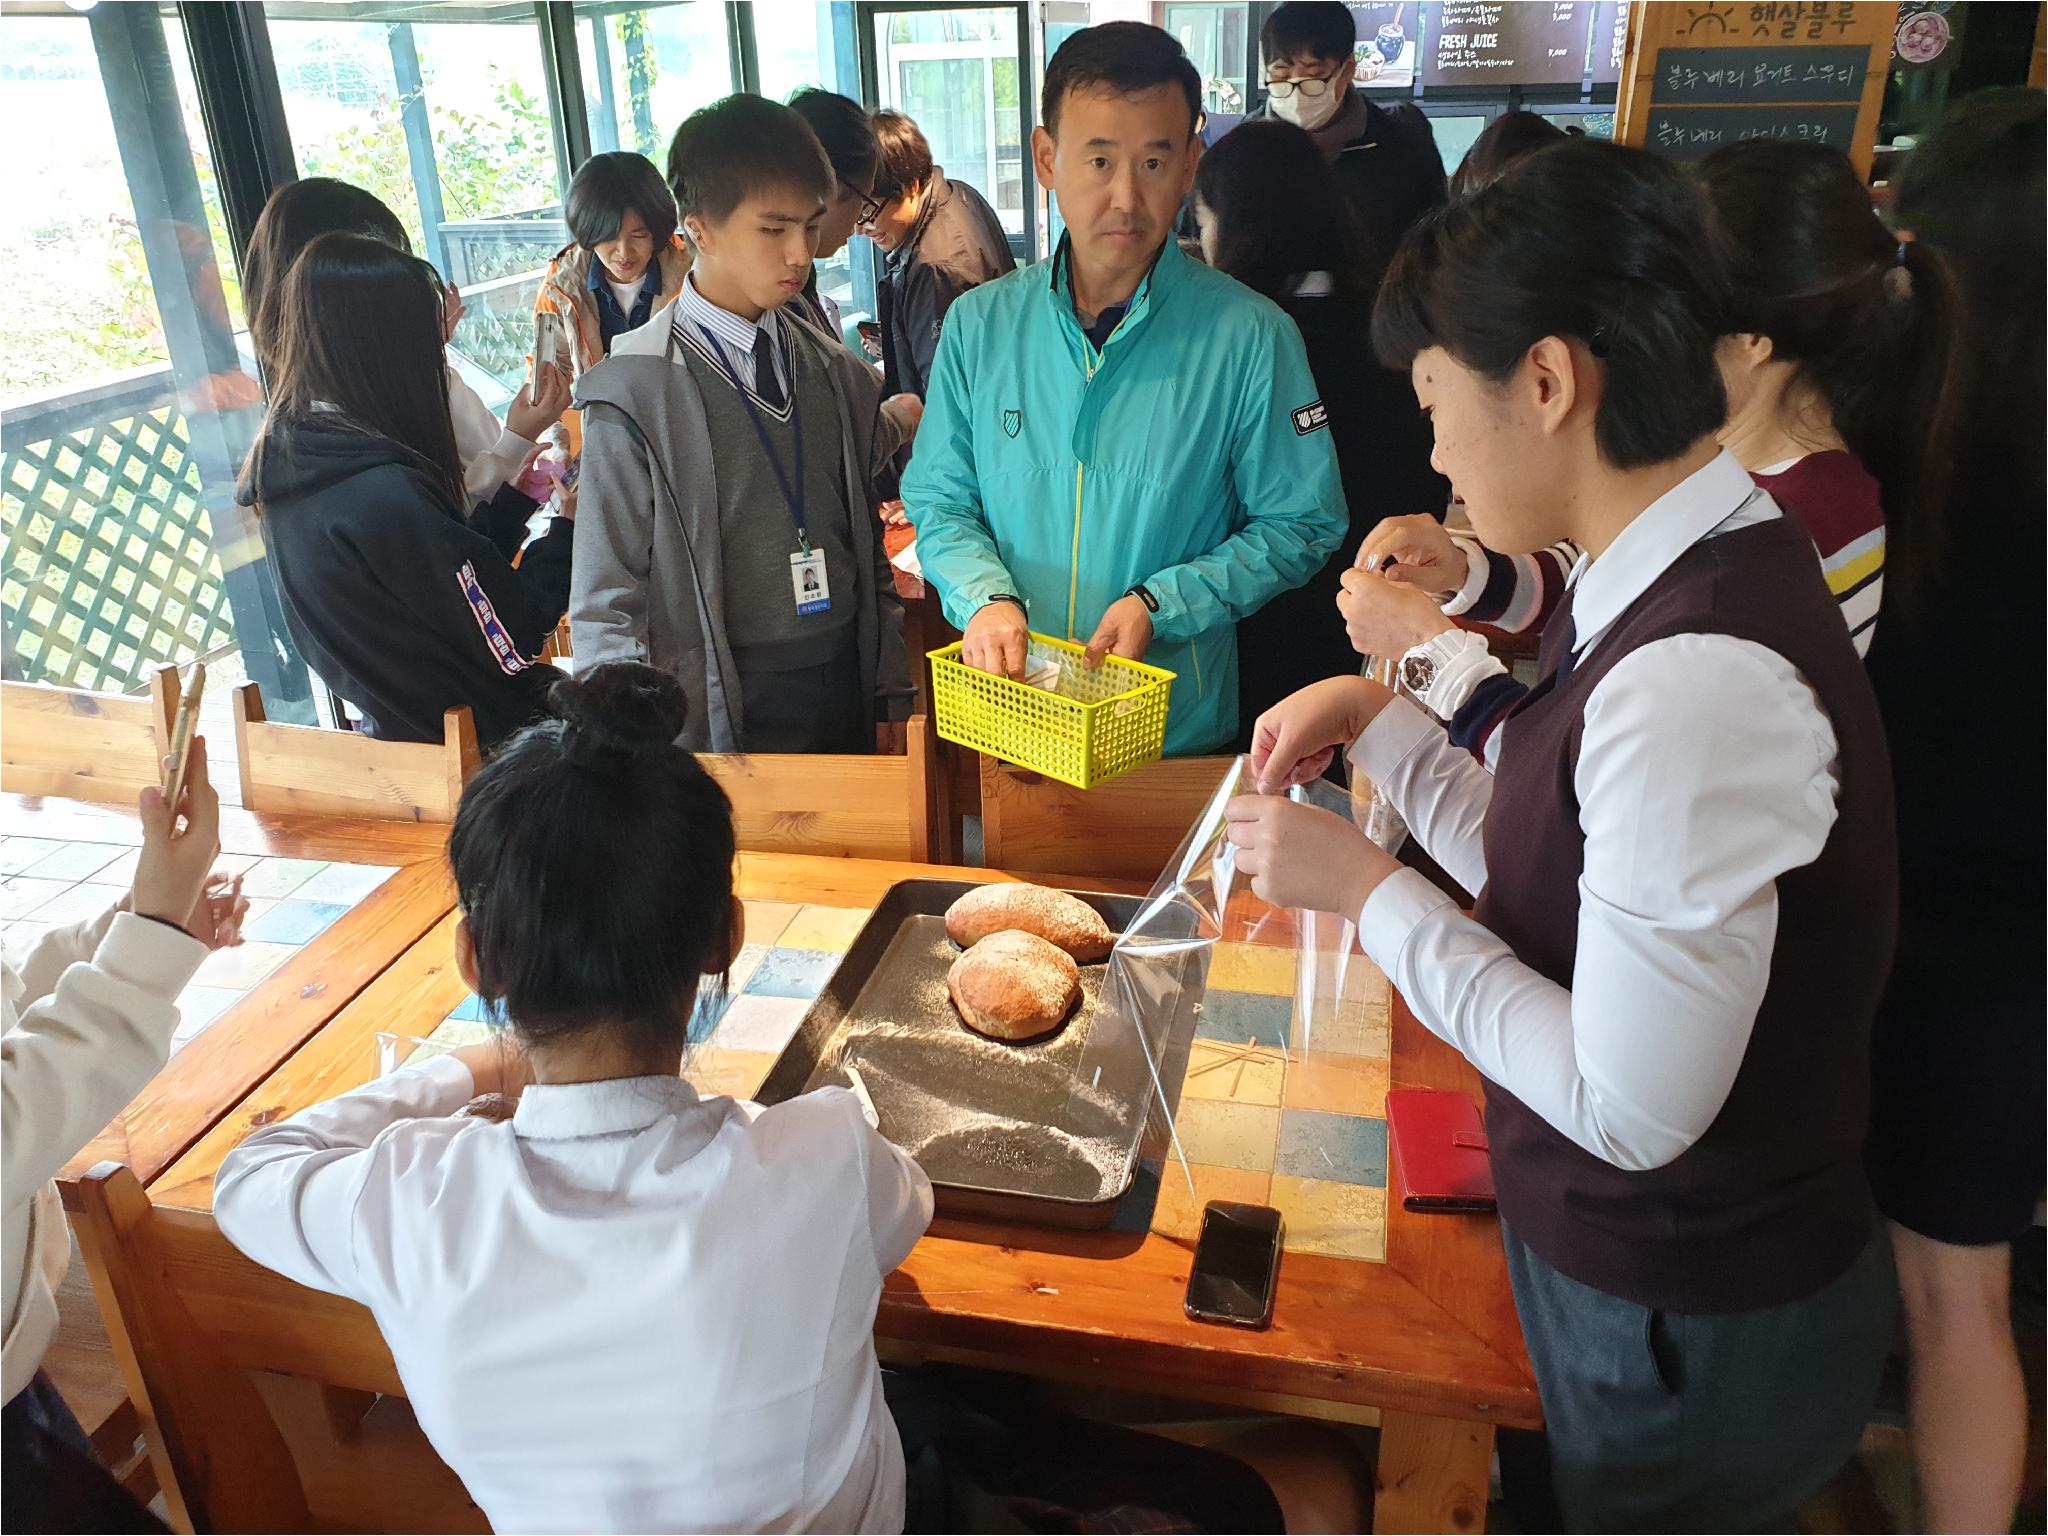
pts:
[1770, 1204]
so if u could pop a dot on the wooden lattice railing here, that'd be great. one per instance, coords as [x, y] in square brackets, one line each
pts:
[110, 568]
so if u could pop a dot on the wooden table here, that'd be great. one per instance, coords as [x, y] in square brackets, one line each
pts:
[218, 1069]
[1427, 1340]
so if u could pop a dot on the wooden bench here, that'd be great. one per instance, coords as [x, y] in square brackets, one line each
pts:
[86, 746]
[303, 769]
[1126, 829]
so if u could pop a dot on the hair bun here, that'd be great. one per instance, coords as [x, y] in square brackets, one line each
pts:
[621, 709]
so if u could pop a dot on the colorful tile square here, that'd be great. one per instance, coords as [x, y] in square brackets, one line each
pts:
[243, 966]
[471, 1010]
[294, 921]
[278, 878]
[344, 883]
[1240, 1074]
[1244, 1018]
[1252, 968]
[75, 861]
[1350, 1148]
[1336, 1085]
[757, 1023]
[825, 928]
[765, 920]
[78, 904]
[744, 964]
[18, 853]
[1228, 1135]
[715, 1070]
[21, 895]
[1178, 1213]
[1337, 1220]
[798, 973]
[200, 1006]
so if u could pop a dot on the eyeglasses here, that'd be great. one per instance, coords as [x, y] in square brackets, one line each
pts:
[1310, 87]
[870, 207]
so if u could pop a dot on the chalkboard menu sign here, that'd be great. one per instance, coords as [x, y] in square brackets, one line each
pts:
[1703, 75]
[1693, 133]
[1739, 76]
[1507, 42]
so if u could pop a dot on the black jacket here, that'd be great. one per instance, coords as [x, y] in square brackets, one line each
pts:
[400, 605]
[1383, 443]
[956, 244]
[1391, 171]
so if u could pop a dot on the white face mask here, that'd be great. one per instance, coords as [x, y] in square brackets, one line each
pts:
[1310, 112]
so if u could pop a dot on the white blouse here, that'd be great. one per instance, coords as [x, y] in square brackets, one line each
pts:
[624, 1309]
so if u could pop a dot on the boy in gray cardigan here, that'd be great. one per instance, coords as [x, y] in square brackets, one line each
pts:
[727, 530]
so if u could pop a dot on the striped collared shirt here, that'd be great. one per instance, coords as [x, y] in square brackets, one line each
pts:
[696, 314]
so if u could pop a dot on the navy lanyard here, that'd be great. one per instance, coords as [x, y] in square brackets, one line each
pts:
[792, 498]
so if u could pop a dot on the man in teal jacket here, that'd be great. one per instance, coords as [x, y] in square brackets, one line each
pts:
[1121, 446]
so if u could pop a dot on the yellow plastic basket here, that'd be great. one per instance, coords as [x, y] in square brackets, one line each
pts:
[1098, 725]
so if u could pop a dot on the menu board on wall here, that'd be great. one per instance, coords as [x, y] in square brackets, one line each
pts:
[1610, 41]
[1387, 31]
[1701, 76]
[1507, 42]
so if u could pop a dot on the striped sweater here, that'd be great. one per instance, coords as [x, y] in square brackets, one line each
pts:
[1834, 497]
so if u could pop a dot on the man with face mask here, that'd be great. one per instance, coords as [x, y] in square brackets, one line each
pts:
[1385, 157]
[1121, 447]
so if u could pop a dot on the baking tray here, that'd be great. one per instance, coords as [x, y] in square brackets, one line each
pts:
[1005, 1132]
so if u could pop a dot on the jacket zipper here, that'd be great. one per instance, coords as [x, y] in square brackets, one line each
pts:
[1088, 363]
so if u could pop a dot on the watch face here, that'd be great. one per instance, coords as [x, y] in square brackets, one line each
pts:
[1417, 672]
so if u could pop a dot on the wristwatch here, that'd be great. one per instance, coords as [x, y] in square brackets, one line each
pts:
[1008, 597]
[1427, 664]
[1144, 595]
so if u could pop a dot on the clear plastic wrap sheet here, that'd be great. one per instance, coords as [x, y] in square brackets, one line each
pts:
[1144, 1033]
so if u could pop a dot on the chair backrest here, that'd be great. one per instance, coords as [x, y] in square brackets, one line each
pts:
[842, 805]
[85, 746]
[1126, 829]
[303, 769]
[190, 1318]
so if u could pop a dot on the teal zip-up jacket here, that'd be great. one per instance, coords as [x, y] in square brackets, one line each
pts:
[1190, 454]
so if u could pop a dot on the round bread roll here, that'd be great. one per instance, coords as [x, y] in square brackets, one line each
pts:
[1054, 916]
[1014, 986]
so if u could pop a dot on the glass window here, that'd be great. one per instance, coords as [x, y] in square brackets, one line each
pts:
[1455, 135]
[799, 48]
[449, 122]
[129, 393]
[648, 68]
[955, 73]
[1214, 36]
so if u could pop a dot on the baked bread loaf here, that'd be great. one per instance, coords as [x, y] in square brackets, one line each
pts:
[1054, 916]
[1014, 986]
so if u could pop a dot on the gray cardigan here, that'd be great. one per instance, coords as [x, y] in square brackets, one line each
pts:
[647, 582]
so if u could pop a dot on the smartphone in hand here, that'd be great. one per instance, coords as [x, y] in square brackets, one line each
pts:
[183, 725]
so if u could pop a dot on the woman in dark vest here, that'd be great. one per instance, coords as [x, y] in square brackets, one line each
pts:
[1685, 857]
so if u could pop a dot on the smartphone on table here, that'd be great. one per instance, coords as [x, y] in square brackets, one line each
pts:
[183, 725]
[1237, 1265]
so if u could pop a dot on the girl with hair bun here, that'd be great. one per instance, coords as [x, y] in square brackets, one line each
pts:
[628, 1306]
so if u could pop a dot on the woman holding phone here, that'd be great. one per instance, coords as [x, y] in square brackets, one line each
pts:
[88, 1020]
[1685, 856]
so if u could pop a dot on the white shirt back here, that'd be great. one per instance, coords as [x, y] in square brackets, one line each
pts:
[625, 1309]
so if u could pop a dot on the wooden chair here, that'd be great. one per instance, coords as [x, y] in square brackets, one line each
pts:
[1126, 829]
[840, 805]
[303, 769]
[197, 1328]
[85, 746]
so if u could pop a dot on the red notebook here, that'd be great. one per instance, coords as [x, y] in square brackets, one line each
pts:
[1439, 1146]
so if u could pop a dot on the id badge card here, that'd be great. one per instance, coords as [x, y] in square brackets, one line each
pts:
[809, 582]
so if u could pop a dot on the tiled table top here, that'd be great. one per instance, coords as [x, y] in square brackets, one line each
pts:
[45, 883]
[1274, 1109]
